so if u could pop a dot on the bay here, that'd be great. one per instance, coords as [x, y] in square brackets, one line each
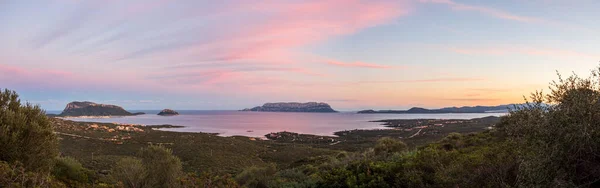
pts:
[258, 124]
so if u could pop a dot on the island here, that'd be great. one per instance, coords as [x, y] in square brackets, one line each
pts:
[319, 107]
[464, 109]
[168, 112]
[86, 108]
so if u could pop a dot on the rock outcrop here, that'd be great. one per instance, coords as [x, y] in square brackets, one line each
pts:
[168, 112]
[293, 107]
[93, 109]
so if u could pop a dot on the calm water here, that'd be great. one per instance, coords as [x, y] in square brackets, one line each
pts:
[257, 124]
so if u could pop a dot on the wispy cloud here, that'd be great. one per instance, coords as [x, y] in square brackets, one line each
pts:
[433, 80]
[359, 64]
[522, 50]
[485, 10]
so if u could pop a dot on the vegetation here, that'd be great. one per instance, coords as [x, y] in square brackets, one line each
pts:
[130, 172]
[551, 141]
[26, 135]
[161, 166]
[70, 171]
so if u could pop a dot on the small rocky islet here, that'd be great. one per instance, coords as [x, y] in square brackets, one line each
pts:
[168, 112]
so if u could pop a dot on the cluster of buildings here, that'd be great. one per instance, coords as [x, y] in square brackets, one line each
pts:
[97, 127]
[122, 127]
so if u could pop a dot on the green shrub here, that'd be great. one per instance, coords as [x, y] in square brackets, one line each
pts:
[15, 175]
[559, 134]
[388, 146]
[70, 171]
[26, 135]
[256, 176]
[208, 180]
[130, 172]
[163, 169]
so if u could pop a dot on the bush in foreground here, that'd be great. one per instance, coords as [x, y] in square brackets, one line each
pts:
[26, 134]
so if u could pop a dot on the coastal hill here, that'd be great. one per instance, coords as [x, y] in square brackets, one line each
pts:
[93, 109]
[464, 109]
[168, 112]
[293, 107]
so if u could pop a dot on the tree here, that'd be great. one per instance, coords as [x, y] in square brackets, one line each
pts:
[559, 134]
[26, 134]
[389, 145]
[130, 171]
[163, 169]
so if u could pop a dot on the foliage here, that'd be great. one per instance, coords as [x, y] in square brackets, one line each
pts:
[559, 134]
[15, 175]
[26, 135]
[256, 176]
[130, 172]
[70, 171]
[208, 180]
[388, 145]
[163, 169]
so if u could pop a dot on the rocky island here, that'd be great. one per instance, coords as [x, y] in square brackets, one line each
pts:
[93, 109]
[168, 112]
[293, 107]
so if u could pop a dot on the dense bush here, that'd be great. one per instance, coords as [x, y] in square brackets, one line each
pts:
[70, 171]
[559, 134]
[208, 180]
[15, 175]
[130, 172]
[257, 176]
[388, 145]
[163, 169]
[26, 135]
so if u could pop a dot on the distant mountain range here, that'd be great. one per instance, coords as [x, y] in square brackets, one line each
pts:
[293, 107]
[464, 109]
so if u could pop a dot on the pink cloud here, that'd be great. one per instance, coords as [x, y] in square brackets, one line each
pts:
[290, 25]
[19, 71]
[359, 64]
[485, 10]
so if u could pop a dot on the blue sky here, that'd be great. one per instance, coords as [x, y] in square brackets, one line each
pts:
[352, 54]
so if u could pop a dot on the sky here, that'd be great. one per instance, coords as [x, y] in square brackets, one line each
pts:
[234, 54]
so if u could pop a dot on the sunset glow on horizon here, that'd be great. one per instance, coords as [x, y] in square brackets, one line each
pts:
[235, 54]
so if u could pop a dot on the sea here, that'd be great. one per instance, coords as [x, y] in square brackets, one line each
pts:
[258, 124]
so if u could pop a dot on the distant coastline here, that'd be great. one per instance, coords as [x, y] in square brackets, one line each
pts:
[447, 110]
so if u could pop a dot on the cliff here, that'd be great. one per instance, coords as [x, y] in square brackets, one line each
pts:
[293, 107]
[92, 109]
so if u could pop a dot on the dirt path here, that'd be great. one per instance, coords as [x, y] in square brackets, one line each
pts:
[416, 134]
